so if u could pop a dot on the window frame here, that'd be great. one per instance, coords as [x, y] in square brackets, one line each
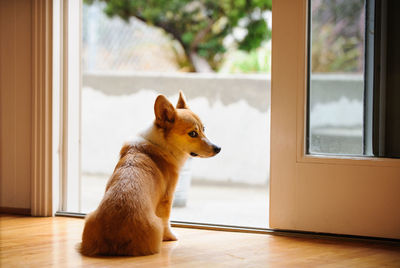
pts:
[368, 158]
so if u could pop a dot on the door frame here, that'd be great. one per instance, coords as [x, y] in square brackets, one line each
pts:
[329, 194]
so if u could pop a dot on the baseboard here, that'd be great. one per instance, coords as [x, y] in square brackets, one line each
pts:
[17, 211]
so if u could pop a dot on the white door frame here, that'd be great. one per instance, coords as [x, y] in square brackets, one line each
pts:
[66, 109]
[347, 195]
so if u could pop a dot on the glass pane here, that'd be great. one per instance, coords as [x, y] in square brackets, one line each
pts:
[126, 64]
[336, 82]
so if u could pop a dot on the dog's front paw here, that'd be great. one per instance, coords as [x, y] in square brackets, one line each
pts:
[169, 236]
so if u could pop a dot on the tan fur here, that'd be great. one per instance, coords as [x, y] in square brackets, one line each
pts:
[133, 217]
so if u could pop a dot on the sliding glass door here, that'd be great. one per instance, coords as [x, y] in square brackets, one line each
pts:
[116, 68]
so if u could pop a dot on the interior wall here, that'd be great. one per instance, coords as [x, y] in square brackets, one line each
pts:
[15, 103]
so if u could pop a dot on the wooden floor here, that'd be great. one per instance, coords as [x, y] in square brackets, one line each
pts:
[44, 242]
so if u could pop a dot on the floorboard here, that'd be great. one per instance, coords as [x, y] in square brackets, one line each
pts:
[51, 242]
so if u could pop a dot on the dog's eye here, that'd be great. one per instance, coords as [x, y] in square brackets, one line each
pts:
[193, 134]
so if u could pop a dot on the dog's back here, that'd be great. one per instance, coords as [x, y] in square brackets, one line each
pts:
[125, 222]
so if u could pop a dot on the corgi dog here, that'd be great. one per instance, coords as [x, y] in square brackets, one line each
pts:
[132, 219]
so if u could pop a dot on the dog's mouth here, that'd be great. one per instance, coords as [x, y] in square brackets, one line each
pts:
[193, 154]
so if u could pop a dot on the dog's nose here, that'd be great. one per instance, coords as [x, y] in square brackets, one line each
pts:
[216, 149]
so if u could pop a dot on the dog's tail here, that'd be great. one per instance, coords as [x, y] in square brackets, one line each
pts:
[86, 251]
[78, 247]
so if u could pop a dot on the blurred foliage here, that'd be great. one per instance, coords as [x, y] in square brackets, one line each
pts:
[255, 61]
[200, 26]
[337, 35]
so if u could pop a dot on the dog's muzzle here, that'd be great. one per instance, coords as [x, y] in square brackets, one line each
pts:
[216, 149]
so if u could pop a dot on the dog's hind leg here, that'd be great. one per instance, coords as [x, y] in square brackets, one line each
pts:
[146, 238]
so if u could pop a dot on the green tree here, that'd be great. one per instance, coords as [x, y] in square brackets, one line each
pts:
[200, 26]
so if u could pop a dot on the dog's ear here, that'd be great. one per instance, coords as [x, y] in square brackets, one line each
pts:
[182, 101]
[164, 111]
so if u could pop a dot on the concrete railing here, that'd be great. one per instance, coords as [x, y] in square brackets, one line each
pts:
[254, 89]
[327, 88]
